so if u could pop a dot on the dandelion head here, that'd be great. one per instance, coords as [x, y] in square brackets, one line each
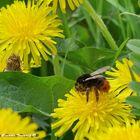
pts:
[120, 77]
[129, 132]
[85, 117]
[28, 30]
[63, 3]
[11, 123]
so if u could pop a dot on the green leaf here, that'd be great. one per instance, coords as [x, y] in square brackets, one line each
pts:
[31, 109]
[135, 86]
[136, 69]
[134, 45]
[67, 45]
[116, 4]
[68, 136]
[72, 71]
[25, 92]
[5, 2]
[136, 112]
[134, 101]
[90, 58]
[135, 58]
[118, 52]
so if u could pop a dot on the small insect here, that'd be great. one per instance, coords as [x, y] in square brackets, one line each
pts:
[87, 82]
[13, 63]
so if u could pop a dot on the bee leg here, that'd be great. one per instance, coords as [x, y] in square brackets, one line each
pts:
[87, 93]
[96, 94]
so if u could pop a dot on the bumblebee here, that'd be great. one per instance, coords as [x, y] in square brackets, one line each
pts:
[13, 63]
[85, 83]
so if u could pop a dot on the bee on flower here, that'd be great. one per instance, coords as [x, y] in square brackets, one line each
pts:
[88, 117]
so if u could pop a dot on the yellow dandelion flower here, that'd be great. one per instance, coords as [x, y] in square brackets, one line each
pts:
[12, 124]
[72, 4]
[2, 66]
[88, 117]
[129, 132]
[120, 77]
[28, 31]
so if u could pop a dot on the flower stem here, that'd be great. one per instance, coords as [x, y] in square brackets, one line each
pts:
[53, 136]
[65, 24]
[100, 24]
[56, 65]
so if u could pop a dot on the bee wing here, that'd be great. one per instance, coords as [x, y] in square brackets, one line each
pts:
[93, 77]
[101, 70]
